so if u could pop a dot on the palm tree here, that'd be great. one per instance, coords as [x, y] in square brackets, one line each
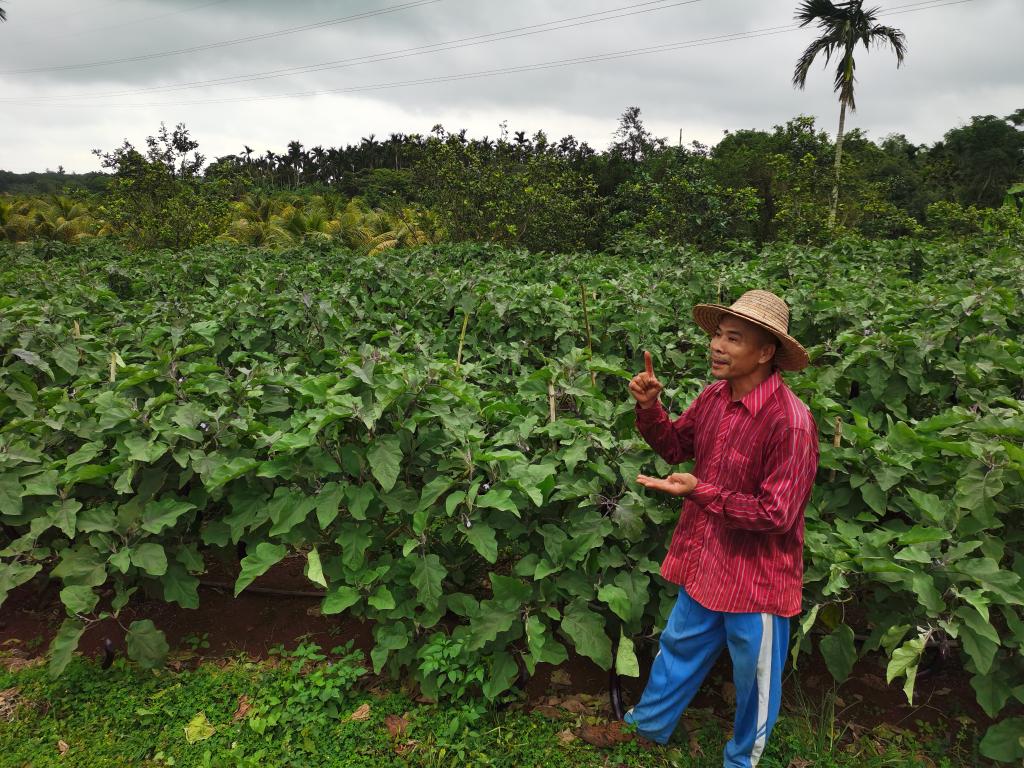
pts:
[3, 15]
[843, 25]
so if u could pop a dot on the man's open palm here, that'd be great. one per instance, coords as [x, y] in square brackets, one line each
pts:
[645, 387]
[676, 484]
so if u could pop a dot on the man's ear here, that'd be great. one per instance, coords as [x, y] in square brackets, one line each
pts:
[767, 353]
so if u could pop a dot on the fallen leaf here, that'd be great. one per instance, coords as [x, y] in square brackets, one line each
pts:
[396, 725]
[8, 703]
[198, 729]
[560, 679]
[729, 693]
[574, 704]
[799, 762]
[403, 749]
[62, 747]
[606, 735]
[695, 748]
[243, 708]
[362, 713]
[566, 737]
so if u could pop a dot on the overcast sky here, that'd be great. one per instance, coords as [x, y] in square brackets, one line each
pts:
[965, 58]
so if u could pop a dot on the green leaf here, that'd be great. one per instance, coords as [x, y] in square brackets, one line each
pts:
[492, 619]
[180, 586]
[992, 691]
[586, 630]
[427, 576]
[14, 574]
[904, 662]
[147, 645]
[616, 599]
[140, 449]
[381, 599]
[359, 498]
[389, 637]
[63, 514]
[481, 537]
[544, 648]
[498, 498]
[979, 638]
[314, 570]
[922, 535]
[385, 458]
[258, 562]
[64, 644]
[625, 658]
[79, 599]
[1002, 741]
[927, 594]
[503, 672]
[33, 359]
[198, 729]
[158, 515]
[839, 652]
[874, 497]
[508, 590]
[928, 503]
[328, 502]
[150, 557]
[338, 599]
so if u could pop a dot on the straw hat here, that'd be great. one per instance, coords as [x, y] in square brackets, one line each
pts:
[761, 308]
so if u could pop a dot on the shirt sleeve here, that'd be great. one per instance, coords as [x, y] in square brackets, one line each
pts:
[793, 463]
[672, 440]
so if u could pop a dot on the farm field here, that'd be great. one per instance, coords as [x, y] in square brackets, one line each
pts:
[441, 441]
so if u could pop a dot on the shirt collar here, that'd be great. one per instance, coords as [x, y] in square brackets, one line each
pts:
[754, 400]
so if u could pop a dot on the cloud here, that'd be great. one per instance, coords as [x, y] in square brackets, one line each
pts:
[963, 60]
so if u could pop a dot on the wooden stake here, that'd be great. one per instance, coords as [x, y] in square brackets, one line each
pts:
[462, 338]
[586, 323]
[551, 402]
[837, 439]
[113, 367]
[76, 332]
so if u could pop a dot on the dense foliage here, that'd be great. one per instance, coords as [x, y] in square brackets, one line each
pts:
[444, 435]
[533, 192]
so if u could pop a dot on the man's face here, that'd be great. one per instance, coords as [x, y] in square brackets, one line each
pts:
[739, 348]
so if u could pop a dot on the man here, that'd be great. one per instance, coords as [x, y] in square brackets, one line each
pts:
[737, 550]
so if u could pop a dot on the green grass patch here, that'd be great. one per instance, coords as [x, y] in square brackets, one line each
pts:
[307, 707]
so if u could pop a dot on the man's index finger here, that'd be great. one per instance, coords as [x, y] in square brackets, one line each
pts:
[648, 364]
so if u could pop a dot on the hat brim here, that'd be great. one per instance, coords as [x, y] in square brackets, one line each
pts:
[790, 356]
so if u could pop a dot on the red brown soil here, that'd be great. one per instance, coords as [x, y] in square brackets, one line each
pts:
[253, 623]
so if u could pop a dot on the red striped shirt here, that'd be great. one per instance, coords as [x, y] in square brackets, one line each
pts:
[738, 545]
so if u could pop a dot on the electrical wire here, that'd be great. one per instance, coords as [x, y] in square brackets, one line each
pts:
[90, 30]
[540, 66]
[223, 43]
[448, 45]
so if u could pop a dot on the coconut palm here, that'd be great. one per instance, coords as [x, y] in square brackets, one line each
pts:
[843, 25]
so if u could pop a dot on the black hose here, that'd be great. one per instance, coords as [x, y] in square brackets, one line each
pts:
[615, 685]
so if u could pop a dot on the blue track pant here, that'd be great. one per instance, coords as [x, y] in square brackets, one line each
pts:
[691, 641]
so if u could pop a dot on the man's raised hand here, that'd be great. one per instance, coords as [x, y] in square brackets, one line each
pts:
[645, 387]
[676, 484]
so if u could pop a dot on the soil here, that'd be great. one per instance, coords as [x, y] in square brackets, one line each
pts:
[255, 622]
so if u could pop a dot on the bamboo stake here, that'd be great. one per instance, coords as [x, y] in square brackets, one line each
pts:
[837, 439]
[586, 323]
[551, 402]
[462, 339]
[113, 367]
[76, 330]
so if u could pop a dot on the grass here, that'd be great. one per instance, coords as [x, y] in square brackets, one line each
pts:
[306, 708]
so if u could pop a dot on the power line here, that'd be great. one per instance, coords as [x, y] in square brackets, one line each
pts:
[89, 30]
[223, 43]
[540, 66]
[447, 45]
